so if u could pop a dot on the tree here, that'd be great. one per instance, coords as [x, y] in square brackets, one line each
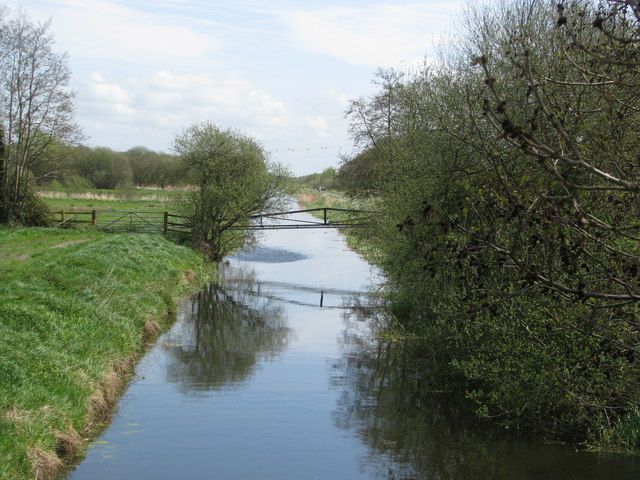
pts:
[509, 210]
[152, 168]
[104, 168]
[574, 112]
[36, 110]
[232, 179]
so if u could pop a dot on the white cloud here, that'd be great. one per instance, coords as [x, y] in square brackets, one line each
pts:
[202, 95]
[340, 97]
[165, 102]
[319, 124]
[144, 70]
[97, 77]
[109, 93]
[381, 35]
[109, 98]
[112, 31]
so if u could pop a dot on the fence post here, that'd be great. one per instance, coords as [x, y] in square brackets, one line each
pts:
[325, 216]
[166, 222]
[61, 217]
[94, 218]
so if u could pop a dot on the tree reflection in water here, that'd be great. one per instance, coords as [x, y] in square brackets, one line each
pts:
[391, 402]
[227, 330]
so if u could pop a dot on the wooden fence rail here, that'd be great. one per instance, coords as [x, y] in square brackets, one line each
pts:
[124, 221]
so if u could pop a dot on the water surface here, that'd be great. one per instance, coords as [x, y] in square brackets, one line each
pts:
[274, 373]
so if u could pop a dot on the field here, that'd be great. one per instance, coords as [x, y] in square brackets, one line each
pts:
[121, 200]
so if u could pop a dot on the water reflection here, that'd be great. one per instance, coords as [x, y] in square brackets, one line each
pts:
[229, 330]
[288, 389]
[413, 431]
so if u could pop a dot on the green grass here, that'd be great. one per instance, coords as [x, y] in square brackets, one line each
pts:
[624, 434]
[73, 306]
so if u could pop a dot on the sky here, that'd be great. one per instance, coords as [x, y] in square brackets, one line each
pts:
[280, 71]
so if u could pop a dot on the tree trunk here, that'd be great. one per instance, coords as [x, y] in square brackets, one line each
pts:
[4, 204]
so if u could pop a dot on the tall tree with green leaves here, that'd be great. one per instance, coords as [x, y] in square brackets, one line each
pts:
[232, 179]
[36, 111]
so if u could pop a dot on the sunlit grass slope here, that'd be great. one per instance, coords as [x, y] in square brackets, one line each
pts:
[73, 311]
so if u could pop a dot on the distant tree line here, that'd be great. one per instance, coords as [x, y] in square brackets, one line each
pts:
[508, 174]
[329, 178]
[102, 167]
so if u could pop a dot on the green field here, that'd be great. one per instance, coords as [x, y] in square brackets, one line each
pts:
[74, 309]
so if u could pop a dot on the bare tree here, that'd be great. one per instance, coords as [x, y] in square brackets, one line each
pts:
[36, 109]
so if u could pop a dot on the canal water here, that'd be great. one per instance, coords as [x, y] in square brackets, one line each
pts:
[276, 373]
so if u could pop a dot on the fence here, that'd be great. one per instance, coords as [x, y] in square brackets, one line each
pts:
[165, 222]
[323, 217]
[124, 222]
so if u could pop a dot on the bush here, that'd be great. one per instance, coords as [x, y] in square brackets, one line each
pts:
[29, 211]
[104, 168]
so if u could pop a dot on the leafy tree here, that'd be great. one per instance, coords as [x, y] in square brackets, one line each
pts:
[232, 179]
[358, 174]
[152, 168]
[509, 203]
[373, 122]
[104, 168]
[560, 95]
[36, 111]
[327, 179]
[574, 113]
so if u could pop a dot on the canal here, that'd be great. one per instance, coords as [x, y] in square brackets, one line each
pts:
[276, 373]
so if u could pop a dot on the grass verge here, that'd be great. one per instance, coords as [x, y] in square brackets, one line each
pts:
[76, 308]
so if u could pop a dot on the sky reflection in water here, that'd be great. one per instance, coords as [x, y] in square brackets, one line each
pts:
[257, 381]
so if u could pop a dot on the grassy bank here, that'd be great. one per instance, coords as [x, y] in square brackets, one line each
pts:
[75, 310]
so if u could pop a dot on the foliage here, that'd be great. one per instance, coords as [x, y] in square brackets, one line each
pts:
[508, 208]
[360, 173]
[72, 308]
[36, 111]
[34, 212]
[233, 179]
[72, 183]
[100, 167]
[626, 431]
[326, 179]
[104, 168]
[153, 168]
